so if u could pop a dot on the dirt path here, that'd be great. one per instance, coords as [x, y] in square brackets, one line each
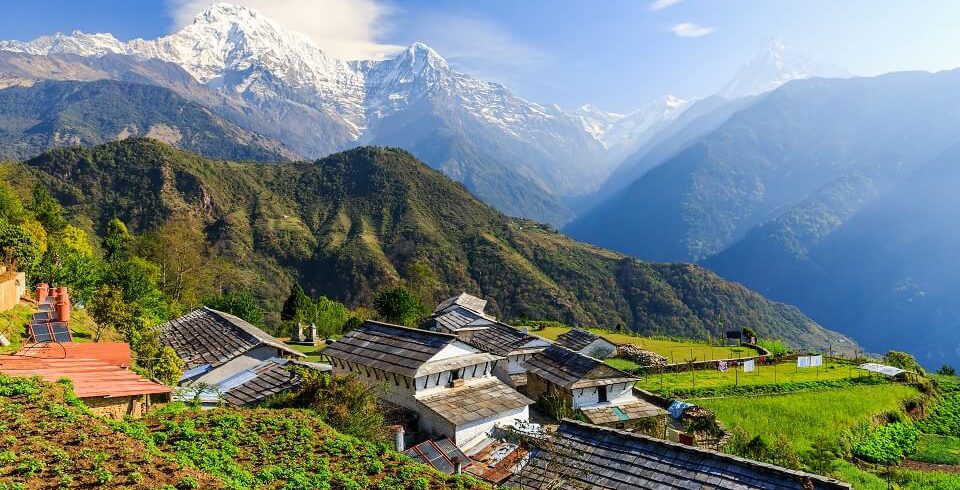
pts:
[910, 464]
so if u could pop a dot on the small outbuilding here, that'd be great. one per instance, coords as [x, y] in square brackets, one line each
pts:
[587, 343]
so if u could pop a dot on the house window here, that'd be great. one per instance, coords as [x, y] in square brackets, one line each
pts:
[454, 375]
[602, 394]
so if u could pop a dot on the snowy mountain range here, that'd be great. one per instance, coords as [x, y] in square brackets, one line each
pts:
[520, 156]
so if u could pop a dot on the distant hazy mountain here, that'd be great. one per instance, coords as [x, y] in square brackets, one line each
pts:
[774, 67]
[622, 134]
[518, 155]
[37, 117]
[802, 196]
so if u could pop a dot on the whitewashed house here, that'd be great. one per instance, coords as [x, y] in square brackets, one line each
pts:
[604, 395]
[447, 382]
[516, 347]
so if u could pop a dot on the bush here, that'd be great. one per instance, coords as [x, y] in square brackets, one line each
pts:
[888, 444]
[343, 402]
[776, 348]
[947, 370]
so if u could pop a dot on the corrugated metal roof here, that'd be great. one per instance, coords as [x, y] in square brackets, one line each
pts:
[90, 377]
[588, 456]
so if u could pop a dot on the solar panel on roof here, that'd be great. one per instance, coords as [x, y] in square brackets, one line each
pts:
[61, 332]
[41, 316]
[41, 333]
[45, 307]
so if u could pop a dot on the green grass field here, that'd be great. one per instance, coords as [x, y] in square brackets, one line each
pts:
[938, 449]
[673, 350]
[804, 417]
[766, 374]
[312, 352]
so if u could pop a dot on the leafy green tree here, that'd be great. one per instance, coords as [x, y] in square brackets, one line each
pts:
[19, 247]
[168, 368]
[947, 370]
[70, 261]
[116, 239]
[297, 305]
[111, 311]
[330, 316]
[136, 279]
[11, 208]
[241, 304]
[399, 305]
[423, 281]
[47, 210]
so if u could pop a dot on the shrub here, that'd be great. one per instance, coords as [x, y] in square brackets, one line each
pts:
[888, 444]
[947, 370]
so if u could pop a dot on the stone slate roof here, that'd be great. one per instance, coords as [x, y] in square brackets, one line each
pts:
[588, 456]
[577, 339]
[503, 339]
[207, 336]
[568, 369]
[401, 350]
[465, 300]
[261, 382]
[473, 401]
[609, 414]
[457, 318]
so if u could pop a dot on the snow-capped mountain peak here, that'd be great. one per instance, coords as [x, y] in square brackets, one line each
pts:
[624, 132]
[773, 67]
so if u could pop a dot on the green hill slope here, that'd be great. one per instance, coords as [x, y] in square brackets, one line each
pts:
[351, 223]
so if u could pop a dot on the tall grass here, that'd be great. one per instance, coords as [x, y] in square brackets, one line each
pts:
[805, 417]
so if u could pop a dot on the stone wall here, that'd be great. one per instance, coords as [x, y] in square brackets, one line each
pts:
[116, 408]
[9, 289]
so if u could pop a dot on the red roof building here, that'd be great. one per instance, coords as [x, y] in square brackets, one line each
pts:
[99, 373]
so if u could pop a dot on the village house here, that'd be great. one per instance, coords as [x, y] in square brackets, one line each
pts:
[587, 343]
[581, 455]
[604, 395]
[99, 372]
[215, 345]
[460, 315]
[515, 346]
[447, 382]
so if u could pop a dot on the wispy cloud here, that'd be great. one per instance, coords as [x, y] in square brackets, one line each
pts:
[480, 47]
[662, 4]
[347, 29]
[689, 29]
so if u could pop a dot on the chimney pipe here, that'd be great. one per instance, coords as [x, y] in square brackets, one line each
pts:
[398, 438]
[457, 466]
[63, 311]
[43, 290]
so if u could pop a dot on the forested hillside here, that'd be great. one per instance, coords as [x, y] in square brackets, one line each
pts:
[350, 224]
[35, 117]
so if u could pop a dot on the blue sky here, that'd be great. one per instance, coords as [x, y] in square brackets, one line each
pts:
[617, 54]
